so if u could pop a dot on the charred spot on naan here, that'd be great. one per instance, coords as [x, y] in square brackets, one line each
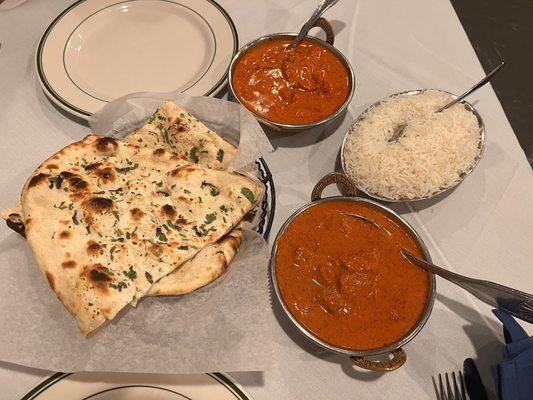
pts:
[182, 221]
[178, 157]
[106, 174]
[183, 171]
[137, 214]
[184, 199]
[156, 249]
[93, 248]
[50, 279]
[97, 276]
[98, 205]
[77, 184]
[65, 235]
[68, 264]
[38, 179]
[66, 174]
[106, 145]
[92, 166]
[159, 152]
[168, 211]
[51, 166]
[14, 221]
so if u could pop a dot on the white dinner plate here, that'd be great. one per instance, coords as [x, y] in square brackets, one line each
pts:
[119, 386]
[98, 50]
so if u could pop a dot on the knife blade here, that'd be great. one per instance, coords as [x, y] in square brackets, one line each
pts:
[473, 383]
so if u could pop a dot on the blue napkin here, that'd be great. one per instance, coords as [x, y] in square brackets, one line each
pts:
[513, 376]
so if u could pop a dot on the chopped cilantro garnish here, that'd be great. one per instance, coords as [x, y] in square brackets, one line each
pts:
[183, 248]
[160, 235]
[148, 277]
[75, 219]
[55, 180]
[248, 194]
[173, 226]
[220, 155]
[209, 218]
[119, 232]
[111, 251]
[202, 231]
[61, 206]
[131, 273]
[213, 189]
[116, 215]
[127, 169]
[193, 154]
[119, 286]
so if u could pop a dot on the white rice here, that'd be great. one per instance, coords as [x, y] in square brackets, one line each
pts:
[432, 153]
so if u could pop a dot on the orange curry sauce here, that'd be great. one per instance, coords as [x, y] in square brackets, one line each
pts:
[346, 281]
[291, 85]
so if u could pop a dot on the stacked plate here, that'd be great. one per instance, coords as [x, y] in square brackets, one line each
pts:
[98, 50]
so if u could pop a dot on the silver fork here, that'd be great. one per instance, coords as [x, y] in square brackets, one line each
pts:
[445, 392]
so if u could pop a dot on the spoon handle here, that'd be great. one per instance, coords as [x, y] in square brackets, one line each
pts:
[322, 7]
[473, 88]
[515, 302]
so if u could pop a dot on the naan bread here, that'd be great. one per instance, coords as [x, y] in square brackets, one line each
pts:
[107, 219]
[206, 266]
[174, 129]
[13, 217]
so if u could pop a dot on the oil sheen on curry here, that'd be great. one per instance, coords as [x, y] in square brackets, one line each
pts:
[291, 85]
[346, 281]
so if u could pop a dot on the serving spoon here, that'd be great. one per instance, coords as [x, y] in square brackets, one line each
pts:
[401, 127]
[322, 7]
[515, 302]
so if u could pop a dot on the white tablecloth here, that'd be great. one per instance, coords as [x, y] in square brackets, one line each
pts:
[483, 228]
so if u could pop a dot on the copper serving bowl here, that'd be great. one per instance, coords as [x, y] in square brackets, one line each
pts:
[328, 43]
[359, 357]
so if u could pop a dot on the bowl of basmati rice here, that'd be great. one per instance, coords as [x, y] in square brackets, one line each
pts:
[435, 152]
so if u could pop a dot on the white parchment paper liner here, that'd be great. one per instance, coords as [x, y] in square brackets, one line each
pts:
[226, 326]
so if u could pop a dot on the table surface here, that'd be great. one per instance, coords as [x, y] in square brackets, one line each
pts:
[483, 228]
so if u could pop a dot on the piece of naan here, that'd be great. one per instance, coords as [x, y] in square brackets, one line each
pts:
[215, 258]
[205, 267]
[174, 129]
[107, 219]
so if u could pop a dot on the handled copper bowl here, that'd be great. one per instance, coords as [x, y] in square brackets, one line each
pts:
[397, 355]
[328, 43]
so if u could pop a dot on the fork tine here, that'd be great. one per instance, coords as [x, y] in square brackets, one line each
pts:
[441, 388]
[462, 386]
[455, 387]
[437, 393]
[449, 393]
